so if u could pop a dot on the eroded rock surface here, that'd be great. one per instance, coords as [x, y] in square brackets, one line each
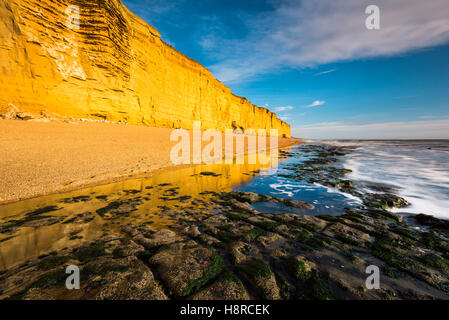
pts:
[232, 251]
[112, 66]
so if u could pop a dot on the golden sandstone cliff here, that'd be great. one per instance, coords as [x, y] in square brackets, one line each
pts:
[111, 66]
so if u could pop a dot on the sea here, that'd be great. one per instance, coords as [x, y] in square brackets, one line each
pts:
[417, 170]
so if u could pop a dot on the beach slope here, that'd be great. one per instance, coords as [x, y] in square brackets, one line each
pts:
[40, 158]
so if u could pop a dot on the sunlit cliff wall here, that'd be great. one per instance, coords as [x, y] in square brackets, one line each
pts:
[114, 67]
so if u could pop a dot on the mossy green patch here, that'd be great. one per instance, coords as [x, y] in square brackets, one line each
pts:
[353, 217]
[233, 217]
[389, 272]
[318, 241]
[312, 227]
[327, 217]
[90, 253]
[268, 225]
[254, 233]
[297, 268]
[227, 236]
[384, 251]
[52, 262]
[286, 290]
[348, 240]
[229, 276]
[434, 261]
[404, 232]
[318, 289]
[257, 269]
[48, 280]
[227, 227]
[215, 266]
[434, 242]
[103, 270]
[302, 235]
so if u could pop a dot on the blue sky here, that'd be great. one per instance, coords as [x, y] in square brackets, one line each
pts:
[315, 63]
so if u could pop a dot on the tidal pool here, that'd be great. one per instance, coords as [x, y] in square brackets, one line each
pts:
[85, 215]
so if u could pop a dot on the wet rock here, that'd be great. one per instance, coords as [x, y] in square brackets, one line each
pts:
[135, 283]
[186, 266]
[261, 276]
[227, 287]
[119, 207]
[244, 206]
[208, 173]
[130, 230]
[384, 201]
[298, 204]
[242, 201]
[109, 266]
[428, 220]
[191, 231]
[300, 267]
[407, 259]
[35, 219]
[271, 240]
[158, 238]
[208, 240]
[382, 214]
[76, 199]
[242, 252]
[216, 220]
[304, 221]
[293, 232]
[38, 295]
[80, 218]
[379, 187]
[347, 234]
[248, 197]
[263, 222]
[364, 224]
[239, 230]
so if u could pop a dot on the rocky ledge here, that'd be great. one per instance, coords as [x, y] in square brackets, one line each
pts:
[235, 252]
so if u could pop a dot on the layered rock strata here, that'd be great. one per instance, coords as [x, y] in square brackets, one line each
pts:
[95, 59]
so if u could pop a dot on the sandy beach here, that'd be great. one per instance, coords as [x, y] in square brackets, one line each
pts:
[40, 158]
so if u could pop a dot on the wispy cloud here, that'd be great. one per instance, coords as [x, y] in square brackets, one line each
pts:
[316, 103]
[431, 129]
[280, 109]
[298, 34]
[325, 72]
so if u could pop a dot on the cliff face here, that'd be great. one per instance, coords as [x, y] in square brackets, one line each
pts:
[112, 66]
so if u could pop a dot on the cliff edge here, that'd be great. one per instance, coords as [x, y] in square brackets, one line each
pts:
[96, 59]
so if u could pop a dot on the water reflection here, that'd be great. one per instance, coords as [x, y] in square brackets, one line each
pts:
[80, 216]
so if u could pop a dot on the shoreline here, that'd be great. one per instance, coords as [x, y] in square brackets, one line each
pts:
[210, 244]
[45, 158]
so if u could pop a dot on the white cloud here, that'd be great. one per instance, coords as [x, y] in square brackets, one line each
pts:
[280, 109]
[325, 72]
[316, 104]
[307, 33]
[431, 129]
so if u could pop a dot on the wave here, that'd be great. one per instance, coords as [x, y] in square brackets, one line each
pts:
[420, 174]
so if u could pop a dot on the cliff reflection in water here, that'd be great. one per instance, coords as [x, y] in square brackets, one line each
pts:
[47, 224]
